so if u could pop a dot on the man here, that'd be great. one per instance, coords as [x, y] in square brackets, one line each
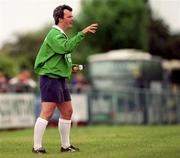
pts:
[54, 65]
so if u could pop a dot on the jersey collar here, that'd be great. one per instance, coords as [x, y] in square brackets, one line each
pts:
[58, 28]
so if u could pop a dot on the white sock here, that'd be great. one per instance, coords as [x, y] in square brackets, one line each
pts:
[39, 129]
[64, 127]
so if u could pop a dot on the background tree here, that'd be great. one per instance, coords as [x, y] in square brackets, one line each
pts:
[122, 24]
[162, 42]
[8, 66]
[21, 54]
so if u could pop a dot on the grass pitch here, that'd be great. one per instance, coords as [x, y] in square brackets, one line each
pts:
[98, 142]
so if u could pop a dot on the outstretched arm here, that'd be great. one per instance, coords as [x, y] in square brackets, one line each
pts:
[60, 44]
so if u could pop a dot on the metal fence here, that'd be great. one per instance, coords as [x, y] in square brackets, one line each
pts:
[134, 106]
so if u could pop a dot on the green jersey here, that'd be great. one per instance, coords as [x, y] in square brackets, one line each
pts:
[54, 56]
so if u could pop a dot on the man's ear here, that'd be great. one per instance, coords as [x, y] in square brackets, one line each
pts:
[60, 19]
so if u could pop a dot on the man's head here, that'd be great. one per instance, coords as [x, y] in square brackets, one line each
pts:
[63, 14]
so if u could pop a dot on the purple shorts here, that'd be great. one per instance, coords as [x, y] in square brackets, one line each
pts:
[54, 90]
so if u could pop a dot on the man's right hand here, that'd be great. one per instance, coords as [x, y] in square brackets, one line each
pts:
[90, 29]
[75, 68]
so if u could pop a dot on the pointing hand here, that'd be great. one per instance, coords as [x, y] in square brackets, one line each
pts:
[90, 29]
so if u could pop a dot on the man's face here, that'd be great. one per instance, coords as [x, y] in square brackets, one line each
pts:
[68, 18]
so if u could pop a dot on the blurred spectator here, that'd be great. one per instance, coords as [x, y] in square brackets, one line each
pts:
[22, 82]
[3, 83]
[79, 83]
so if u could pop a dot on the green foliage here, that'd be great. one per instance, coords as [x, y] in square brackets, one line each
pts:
[161, 42]
[21, 54]
[8, 65]
[122, 24]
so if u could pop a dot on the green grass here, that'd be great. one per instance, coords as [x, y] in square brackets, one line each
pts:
[98, 142]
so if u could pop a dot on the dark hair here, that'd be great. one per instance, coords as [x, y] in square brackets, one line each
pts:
[59, 12]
